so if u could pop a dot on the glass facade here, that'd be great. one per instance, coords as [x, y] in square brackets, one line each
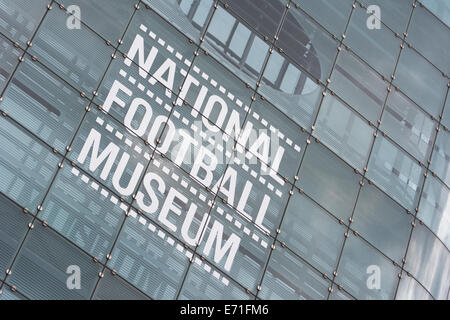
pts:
[213, 149]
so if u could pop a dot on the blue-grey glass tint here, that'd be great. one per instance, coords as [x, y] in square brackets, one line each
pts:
[410, 289]
[150, 259]
[409, 126]
[378, 47]
[395, 172]
[44, 104]
[188, 16]
[234, 44]
[358, 85]
[382, 222]
[107, 17]
[78, 56]
[440, 162]
[12, 230]
[333, 15]
[365, 273]
[20, 18]
[423, 248]
[422, 82]
[307, 44]
[434, 208]
[329, 181]
[76, 206]
[112, 287]
[201, 283]
[10, 58]
[440, 8]
[435, 48]
[290, 89]
[394, 14]
[44, 264]
[289, 277]
[27, 166]
[312, 233]
[344, 132]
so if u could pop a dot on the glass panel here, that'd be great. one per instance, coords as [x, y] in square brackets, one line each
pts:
[76, 207]
[159, 50]
[338, 294]
[440, 162]
[264, 15]
[149, 259]
[219, 42]
[106, 17]
[333, 15]
[378, 47]
[382, 222]
[312, 233]
[420, 81]
[26, 166]
[424, 247]
[365, 273]
[110, 153]
[408, 126]
[395, 173]
[293, 92]
[435, 48]
[307, 44]
[13, 227]
[287, 140]
[446, 114]
[9, 56]
[434, 208]
[79, 57]
[9, 294]
[357, 84]
[217, 93]
[410, 289]
[441, 8]
[257, 193]
[44, 264]
[112, 287]
[168, 195]
[20, 18]
[344, 132]
[395, 14]
[201, 284]
[121, 88]
[289, 278]
[249, 247]
[189, 16]
[329, 181]
[44, 104]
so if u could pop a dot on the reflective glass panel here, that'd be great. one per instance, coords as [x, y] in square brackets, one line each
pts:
[422, 82]
[26, 166]
[312, 233]
[409, 126]
[395, 172]
[424, 247]
[382, 222]
[288, 277]
[357, 84]
[365, 273]
[378, 47]
[434, 208]
[329, 181]
[344, 131]
[44, 104]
